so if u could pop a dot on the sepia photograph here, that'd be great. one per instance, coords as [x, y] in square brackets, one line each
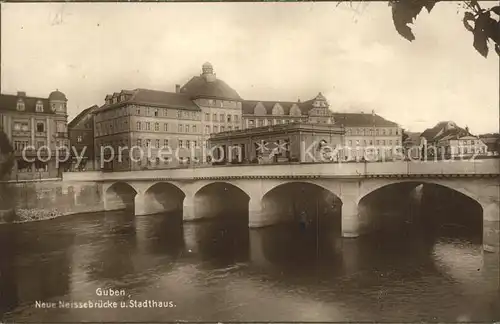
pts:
[250, 162]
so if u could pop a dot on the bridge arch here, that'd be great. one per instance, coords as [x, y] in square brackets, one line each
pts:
[217, 199]
[372, 186]
[160, 197]
[119, 195]
[302, 201]
[442, 205]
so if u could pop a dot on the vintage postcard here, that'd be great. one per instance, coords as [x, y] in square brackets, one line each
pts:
[250, 162]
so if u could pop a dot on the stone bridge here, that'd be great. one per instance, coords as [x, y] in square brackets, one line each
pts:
[269, 194]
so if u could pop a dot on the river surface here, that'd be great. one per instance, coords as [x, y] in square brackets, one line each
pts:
[220, 270]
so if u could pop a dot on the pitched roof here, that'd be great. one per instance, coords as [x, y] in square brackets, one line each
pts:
[158, 99]
[217, 89]
[9, 102]
[81, 115]
[444, 130]
[361, 120]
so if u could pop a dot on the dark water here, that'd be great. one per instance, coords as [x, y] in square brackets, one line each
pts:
[222, 271]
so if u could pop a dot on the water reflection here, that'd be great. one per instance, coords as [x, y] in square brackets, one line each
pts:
[219, 270]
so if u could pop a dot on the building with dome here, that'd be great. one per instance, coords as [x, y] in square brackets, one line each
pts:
[206, 107]
[35, 124]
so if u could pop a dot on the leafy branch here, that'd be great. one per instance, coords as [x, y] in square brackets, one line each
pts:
[477, 20]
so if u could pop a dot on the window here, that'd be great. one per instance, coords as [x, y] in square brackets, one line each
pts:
[228, 118]
[20, 105]
[148, 143]
[194, 128]
[157, 142]
[148, 126]
[165, 143]
[210, 102]
[179, 128]
[188, 144]
[261, 122]
[377, 142]
[207, 129]
[371, 142]
[157, 126]
[397, 131]
[236, 118]
[180, 143]
[250, 123]
[216, 129]
[79, 139]
[207, 116]
[156, 112]
[39, 106]
[390, 131]
[195, 143]
[383, 131]
[165, 127]
[138, 111]
[214, 117]
[222, 128]
[40, 127]
[376, 131]
[187, 128]
[221, 118]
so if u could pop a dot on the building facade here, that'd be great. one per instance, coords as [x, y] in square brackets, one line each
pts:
[364, 136]
[134, 127]
[37, 128]
[447, 140]
[144, 122]
[81, 137]
[293, 142]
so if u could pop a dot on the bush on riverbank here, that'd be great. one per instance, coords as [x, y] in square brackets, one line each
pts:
[33, 214]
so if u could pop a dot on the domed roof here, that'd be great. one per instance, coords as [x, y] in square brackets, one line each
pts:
[207, 65]
[199, 87]
[57, 95]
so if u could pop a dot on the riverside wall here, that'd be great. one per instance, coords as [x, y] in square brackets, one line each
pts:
[32, 201]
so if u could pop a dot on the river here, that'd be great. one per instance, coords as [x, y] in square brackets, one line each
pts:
[220, 270]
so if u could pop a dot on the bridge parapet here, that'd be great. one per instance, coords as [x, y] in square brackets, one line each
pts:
[490, 167]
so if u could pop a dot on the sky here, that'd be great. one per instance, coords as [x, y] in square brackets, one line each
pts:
[265, 51]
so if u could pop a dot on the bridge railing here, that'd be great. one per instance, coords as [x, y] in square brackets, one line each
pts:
[400, 168]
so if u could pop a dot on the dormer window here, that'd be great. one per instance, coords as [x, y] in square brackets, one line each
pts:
[39, 106]
[20, 105]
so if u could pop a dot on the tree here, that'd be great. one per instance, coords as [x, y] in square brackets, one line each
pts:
[6, 156]
[404, 135]
[477, 20]
[6, 164]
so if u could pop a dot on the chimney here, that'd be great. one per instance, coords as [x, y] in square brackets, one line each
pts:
[177, 88]
[21, 94]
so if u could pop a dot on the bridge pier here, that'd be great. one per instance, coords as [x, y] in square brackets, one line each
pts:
[350, 217]
[256, 216]
[491, 227]
[188, 209]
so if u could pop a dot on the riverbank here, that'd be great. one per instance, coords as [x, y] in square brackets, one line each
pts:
[37, 201]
